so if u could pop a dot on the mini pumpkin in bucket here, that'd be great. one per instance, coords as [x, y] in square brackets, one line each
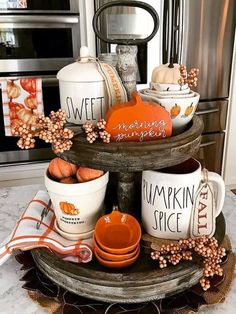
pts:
[77, 205]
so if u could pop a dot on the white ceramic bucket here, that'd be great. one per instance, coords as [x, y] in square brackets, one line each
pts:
[85, 199]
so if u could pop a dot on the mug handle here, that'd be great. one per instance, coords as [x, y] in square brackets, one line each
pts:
[219, 182]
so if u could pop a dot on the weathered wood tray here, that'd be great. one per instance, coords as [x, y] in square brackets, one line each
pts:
[130, 157]
[141, 282]
[136, 156]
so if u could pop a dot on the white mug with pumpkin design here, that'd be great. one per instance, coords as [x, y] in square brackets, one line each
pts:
[168, 197]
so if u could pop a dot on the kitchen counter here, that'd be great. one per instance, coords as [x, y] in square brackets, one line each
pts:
[14, 299]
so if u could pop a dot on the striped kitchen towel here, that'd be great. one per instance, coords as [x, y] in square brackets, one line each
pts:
[26, 236]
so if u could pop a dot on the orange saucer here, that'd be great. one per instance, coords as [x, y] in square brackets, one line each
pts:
[117, 264]
[114, 257]
[117, 233]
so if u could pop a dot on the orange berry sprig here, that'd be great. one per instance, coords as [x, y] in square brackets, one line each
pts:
[190, 78]
[204, 246]
[95, 131]
[49, 129]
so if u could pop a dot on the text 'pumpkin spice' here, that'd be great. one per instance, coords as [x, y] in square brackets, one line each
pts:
[137, 120]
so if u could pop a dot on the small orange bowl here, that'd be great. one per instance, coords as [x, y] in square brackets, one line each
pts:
[117, 233]
[113, 257]
[117, 264]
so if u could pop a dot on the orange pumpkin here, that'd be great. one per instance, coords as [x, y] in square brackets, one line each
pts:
[68, 208]
[69, 180]
[59, 168]
[188, 110]
[175, 111]
[14, 108]
[15, 123]
[138, 120]
[84, 174]
[31, 102]
[28, 84]
[27, 116]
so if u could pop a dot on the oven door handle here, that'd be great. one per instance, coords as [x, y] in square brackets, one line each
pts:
[28, 19]
[207, 144]
[47, 80]
[200, 112]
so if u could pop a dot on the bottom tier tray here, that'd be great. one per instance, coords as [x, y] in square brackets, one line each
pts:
[141, 282]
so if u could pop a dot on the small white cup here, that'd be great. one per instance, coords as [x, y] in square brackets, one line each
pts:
[87, 199]
[168, 197]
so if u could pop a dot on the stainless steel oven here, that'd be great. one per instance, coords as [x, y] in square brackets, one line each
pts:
[36, 41]
[10, 153]
[43, 6]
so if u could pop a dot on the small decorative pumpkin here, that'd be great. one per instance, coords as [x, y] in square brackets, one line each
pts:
[138, 120]
[14, 108]
[59, 168]
[27, 116]
[188, 110]
[13, 90]
[68, 208]
[31, 102]
[168, 73]
[28, 84]
[84, 174]
[15, 123]
[69, 180]
[175, 111]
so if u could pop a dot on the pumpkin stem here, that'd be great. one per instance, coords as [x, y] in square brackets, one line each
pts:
[115, 208]
[171, 65]
[136, 97]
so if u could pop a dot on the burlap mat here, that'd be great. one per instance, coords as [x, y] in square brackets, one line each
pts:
[211, 297]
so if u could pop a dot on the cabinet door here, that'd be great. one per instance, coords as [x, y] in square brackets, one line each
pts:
[210, 153]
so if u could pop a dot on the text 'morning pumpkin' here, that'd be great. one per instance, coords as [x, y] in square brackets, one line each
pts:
[138, 121]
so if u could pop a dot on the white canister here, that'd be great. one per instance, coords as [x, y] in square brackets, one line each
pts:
[83, 92]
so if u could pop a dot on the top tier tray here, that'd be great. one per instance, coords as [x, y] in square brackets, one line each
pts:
[136, 156]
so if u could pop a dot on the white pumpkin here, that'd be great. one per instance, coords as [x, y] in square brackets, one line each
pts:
[164, 74]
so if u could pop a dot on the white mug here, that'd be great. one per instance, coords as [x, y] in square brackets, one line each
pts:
[168, 196]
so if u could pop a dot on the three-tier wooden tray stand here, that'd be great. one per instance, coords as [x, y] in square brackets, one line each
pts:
[143, 281]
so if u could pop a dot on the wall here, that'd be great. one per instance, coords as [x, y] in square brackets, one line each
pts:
[229, 161]
[16, 175]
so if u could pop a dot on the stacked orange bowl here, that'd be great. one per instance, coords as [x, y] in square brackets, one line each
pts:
[116, 240]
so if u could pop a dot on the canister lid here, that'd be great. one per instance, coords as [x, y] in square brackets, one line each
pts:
[84, 70]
